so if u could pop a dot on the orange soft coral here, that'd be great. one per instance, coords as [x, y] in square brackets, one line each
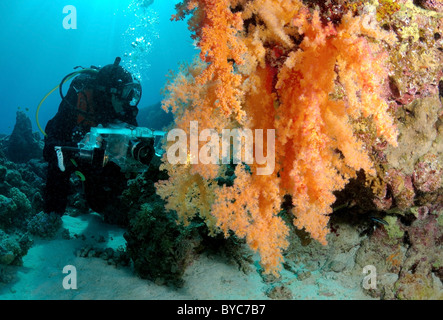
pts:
[279, 72]
[252, 205]
[212, 89]
[316, 140]
[216, 35]
[249, 208]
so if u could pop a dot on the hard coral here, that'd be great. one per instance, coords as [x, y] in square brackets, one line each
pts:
[416, 58]
[13, 247]
[416, 279]
[413, 170]
[402, 189]
[428, 174]
[386, 9]
[435, 5]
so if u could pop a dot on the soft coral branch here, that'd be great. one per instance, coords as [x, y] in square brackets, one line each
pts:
[216, 35]
[317, 142]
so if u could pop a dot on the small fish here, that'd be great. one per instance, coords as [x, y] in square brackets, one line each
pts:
[380, 221]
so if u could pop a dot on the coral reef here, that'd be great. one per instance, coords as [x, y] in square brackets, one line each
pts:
[22, 179]
[412, 183]
[159, 248]
[118, 257]
[421, 128]
[44, 225]
[23, 144]
[276, 65]
[337, 80]
[409, 247]
[434, 5]
[416, 279]
[353, 90]
[416, 57]
[410, 254]
[15, 209]
[21, 185]
[13, 247]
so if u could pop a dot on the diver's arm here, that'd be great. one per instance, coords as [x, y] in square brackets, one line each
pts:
[59, 129]
[58, 133]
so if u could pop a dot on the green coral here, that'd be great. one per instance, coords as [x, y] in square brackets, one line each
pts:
[3, 171]
[22, 202]
[440, 218]
[15, 209]
[393, 229]
[13, 248]
[44, 225]
[160, 248]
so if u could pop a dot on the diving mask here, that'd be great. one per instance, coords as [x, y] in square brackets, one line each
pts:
[132, 93]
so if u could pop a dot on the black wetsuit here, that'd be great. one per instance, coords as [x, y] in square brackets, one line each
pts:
[103, 185]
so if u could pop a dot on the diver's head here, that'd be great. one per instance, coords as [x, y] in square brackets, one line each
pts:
[117, 87]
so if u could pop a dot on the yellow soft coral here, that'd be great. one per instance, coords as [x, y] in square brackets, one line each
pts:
[277, 16]
[196, 194]
[273, 65]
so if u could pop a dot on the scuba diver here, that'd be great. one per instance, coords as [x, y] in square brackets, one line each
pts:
[97, 98]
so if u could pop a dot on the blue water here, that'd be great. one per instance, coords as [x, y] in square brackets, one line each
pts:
[37, 51]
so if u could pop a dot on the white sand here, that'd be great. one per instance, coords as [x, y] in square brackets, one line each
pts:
[41, 276]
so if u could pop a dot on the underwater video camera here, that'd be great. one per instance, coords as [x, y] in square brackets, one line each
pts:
[131, 148]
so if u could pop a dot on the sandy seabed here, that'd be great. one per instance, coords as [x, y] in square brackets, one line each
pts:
[207, 278]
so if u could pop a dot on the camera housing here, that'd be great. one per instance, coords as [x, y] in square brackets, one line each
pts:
[131, 148]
